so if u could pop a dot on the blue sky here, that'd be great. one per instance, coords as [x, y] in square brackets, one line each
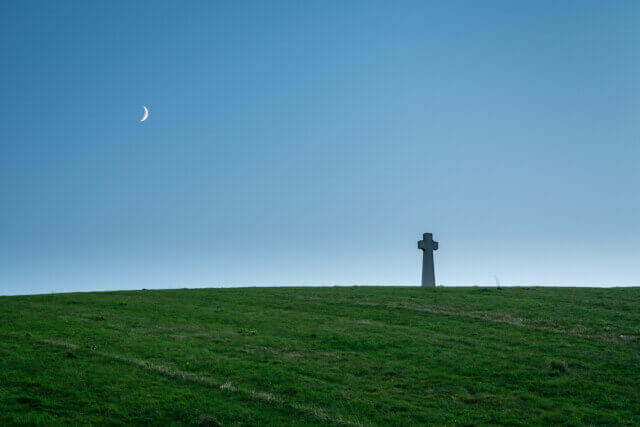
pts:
[314, 142]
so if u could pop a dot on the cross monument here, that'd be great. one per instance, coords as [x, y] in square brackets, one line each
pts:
[427, 245]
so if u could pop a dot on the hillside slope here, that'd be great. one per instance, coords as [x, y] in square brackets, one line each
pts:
[361, 355]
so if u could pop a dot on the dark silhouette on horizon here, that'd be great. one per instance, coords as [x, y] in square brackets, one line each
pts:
[428, 245]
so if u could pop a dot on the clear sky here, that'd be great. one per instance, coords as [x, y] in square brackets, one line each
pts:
[314, 142]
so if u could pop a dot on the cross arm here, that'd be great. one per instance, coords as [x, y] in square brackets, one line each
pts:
[422, 245]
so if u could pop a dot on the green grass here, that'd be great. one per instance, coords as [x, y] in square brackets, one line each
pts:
[361, 355]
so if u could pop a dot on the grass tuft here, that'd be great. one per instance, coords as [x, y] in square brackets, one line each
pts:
[208, 420]
[559, 366]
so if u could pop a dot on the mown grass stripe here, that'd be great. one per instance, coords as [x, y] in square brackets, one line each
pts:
[486, 316]
[224, 385]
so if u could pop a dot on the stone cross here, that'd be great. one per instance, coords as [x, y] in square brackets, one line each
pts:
[427, 245]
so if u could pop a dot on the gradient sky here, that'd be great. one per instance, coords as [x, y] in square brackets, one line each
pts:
[314, 142]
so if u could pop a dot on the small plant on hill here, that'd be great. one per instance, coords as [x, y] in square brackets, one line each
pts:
[559, 366]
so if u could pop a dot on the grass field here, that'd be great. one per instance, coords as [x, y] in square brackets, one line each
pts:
[338, 355]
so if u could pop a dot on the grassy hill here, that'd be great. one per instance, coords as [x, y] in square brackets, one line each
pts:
[362, 355]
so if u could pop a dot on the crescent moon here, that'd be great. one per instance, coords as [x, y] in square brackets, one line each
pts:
[146, 114]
